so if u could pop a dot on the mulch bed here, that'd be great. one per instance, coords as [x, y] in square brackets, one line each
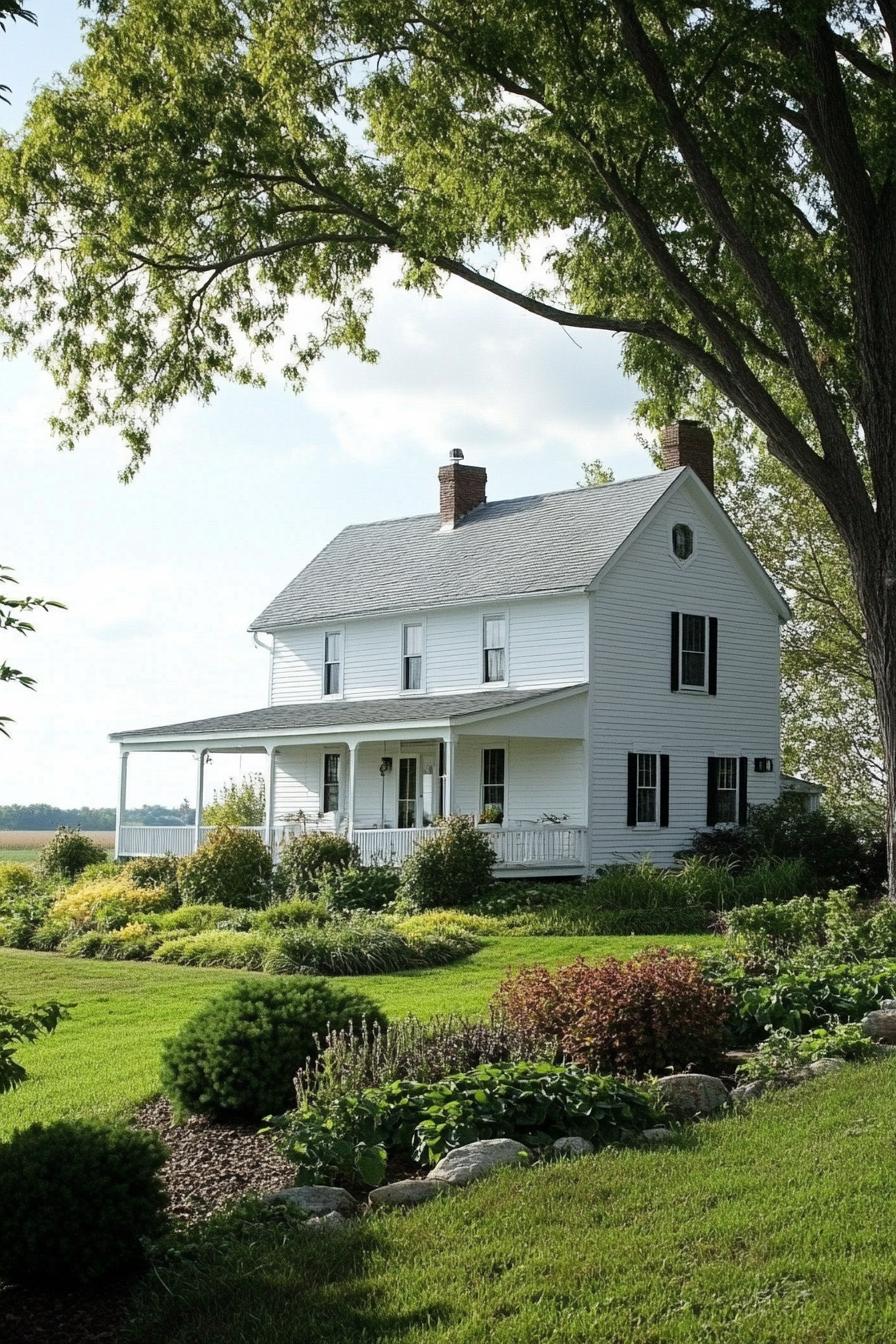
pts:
[210, 1165]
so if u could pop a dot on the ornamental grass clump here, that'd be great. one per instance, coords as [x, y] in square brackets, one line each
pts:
[215, 947]
[78, 1202]
[238, 1056]
[231, 867]
[362, 945]
[650, 1014]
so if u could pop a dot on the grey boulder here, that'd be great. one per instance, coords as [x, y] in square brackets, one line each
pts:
[745, 1093]
[880, 1025]
[472, 1161]
[406, 1193]
[657, 1135]
[887, 1005]
[819, 1067]
[316, 1200]
[688, 1094]
[572, 1147]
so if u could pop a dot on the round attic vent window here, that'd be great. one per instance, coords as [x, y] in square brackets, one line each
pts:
[682, 541]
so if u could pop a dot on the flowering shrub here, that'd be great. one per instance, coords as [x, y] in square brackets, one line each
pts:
[231, 868]
[305, 859]
[654, 1012]
[68, 852]
[454, 868]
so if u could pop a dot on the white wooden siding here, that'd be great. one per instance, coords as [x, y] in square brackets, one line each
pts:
[632, 705]
[547, 646]
[540, 776]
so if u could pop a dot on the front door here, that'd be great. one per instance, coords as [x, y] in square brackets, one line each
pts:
[407, 791]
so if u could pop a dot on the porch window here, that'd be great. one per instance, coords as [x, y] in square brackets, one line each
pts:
[407, 791]
[412, 658]
[331, 781]
[494, 642]
[693, 652]
[646, 810]
[332, 662]
[493, 777]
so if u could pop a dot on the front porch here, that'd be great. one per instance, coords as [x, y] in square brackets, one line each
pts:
[381, 773]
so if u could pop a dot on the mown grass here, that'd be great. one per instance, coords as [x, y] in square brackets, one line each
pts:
[103, 1061]
[19, 855]
[771, 1228]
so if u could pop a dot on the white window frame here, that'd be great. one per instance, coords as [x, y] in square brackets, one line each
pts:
[688, 686]
[682, 522]
[655, 824]
[483, 648]
[735, 791]
[421, 689]
[340, 772]
[338, 631]
[494, 746]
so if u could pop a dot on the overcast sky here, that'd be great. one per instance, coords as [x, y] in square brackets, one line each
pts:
[162, 576]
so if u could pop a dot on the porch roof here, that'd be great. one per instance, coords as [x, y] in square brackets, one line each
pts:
[356, 714]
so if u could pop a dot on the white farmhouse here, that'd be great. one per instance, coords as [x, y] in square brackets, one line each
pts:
[594, 672]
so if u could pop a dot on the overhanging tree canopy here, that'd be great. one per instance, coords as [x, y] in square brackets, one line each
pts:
[716, 184]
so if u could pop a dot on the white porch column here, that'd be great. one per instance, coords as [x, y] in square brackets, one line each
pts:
[200, 789]
[350, 798]
[269, 799]
[448, 790]
[122, 800]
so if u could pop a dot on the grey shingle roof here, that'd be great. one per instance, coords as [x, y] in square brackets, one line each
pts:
[539, 543]
[326, 714]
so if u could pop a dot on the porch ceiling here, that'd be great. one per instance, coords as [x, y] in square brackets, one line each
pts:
[351, 715]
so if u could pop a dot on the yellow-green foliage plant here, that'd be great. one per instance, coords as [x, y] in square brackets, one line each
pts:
[109, 899]
[448, 922]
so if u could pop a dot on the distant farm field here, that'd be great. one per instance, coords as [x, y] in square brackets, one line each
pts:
[25, 846]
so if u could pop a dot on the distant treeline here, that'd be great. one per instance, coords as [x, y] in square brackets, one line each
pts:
[43, 817]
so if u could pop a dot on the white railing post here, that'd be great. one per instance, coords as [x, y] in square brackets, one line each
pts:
[200, 787]
[269, 800]
[122, 800]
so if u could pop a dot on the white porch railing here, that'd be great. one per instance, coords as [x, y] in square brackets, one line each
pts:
[522, 847]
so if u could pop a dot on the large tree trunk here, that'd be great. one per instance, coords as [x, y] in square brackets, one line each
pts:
[876, 588]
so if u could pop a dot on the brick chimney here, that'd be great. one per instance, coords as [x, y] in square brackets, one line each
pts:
[687, 443]
[461, 489]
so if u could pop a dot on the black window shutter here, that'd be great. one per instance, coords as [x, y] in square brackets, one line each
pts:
[712, 790]
[712, 681]
[664, 790]
[632, 789]
[676, 625]
[742, 791]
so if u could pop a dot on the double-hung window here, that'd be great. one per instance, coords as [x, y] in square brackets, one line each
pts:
[695, 651]
[331, 782]
[648, 781]
[726, 790]
[412, 658]
[494, 763]
[494, 648]
[333, 662]
[648, 789]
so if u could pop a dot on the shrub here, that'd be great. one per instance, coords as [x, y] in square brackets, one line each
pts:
[199, 918]
[230, 868]
[22, 909]
[154, 870]
[454, 868]
[362, 945]
[771, 929]
[239, 1054]
[353, 1137]
[18, 1025]
[292, 914]
[77, 1200]
[783, 1053]
[68, 852]
[107, 902]
[304, 859]
[132, 942]
[358, 888]
[654, 1012]
[96, 871]
[774, 880]
[215, 947]
[17, 879]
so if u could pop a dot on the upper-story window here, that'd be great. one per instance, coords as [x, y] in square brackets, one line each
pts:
[412, 658]
[494, 648]
[682, 541]
[333, 662]
[693, 651]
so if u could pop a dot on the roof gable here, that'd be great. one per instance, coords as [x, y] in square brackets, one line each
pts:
[537, 544]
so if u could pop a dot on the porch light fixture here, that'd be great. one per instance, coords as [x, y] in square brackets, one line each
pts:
[763, 765]
[385, 765]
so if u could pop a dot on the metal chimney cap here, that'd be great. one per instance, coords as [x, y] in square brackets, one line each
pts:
[456, 454]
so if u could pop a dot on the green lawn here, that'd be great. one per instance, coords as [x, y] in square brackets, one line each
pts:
[771, 1228]
[19, 855]
[104, 1060]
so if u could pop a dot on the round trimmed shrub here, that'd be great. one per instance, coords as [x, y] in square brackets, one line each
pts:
[77, 1201]
[654, 1012]
[68, 852]
[231, 867]
[453, 868]
[238, 1056]
[154, 870]
[304, 859]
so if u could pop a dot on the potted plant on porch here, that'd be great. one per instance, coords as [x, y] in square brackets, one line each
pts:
[491, 818]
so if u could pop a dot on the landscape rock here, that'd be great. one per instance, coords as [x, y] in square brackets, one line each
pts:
[316, 1200]
[746, 1093]
[880, 1025]
[326, 1222]
[820, 1067]
[887, 1005]
[688, 1094]
[659, 1134]
[572, 1146]
[466, 1164]
[406, 1193]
